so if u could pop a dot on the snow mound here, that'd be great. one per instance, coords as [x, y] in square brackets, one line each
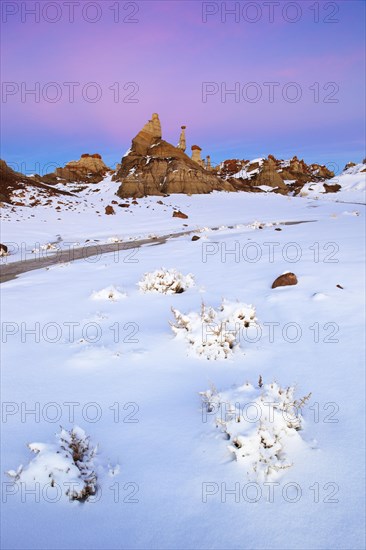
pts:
[166, 281]
[214, 333]
[64, 469]
[262, 425]
[111, 293]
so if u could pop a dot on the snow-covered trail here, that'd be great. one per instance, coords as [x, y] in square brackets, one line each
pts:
[56, 255]
[48, 258]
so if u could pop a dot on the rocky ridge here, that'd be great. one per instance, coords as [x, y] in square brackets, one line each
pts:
[153, 166]
[282, 176]
[20, 190]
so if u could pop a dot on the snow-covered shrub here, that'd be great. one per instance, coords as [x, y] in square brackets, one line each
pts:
[262, 425]
[109, 293]
[214, 333]
[67, 466]
[166, 281]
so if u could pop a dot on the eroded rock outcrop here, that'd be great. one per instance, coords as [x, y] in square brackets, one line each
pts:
[152, 166]
[88, 169]
[21, 190]
[283, 176]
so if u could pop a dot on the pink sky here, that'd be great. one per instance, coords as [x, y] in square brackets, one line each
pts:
[169, 53]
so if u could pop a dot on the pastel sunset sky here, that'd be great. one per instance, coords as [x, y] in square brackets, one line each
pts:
[168, 50]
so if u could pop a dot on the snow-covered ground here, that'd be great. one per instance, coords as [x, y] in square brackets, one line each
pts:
[81, 220]
[112, 366]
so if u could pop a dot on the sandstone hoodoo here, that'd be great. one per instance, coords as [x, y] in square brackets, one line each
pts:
[88, 169]
[182, 139]
[196, 154]
[152, 166]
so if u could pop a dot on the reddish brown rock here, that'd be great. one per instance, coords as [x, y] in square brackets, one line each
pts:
[195, 238]
[179, 214]
[230, 167]
[331, 188]
[287, 279]
[109, 210]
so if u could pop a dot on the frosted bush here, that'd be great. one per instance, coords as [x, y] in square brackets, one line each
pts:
[109, 293]
[214, 333]
[166, 281]
[67, 467]
[262, 425]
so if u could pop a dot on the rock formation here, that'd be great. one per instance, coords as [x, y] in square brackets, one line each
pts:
[153, 166]
[182, 139]
[284, 177]
[196, 154]
[229, 167]
[88, 169]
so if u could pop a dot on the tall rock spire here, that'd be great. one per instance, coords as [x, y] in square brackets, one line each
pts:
[150, 133]
[182, 139]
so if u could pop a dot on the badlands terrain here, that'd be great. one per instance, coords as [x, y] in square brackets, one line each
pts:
[222, 413]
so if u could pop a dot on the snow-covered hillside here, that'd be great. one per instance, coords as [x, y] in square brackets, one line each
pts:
[84, 346]
[353, 186]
